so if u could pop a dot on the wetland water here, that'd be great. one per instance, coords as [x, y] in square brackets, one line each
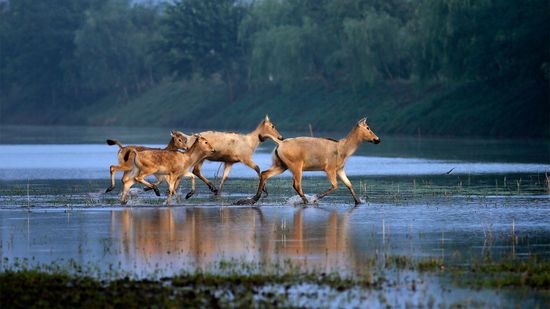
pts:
[494, 204]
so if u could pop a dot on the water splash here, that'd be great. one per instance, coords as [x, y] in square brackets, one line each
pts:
[296, 200]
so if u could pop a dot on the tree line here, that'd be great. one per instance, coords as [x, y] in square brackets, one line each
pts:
[61, 54]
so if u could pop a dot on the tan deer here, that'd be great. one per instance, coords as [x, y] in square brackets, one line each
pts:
[232, 148]
[315, 154]
[178, 140]
[172, 164]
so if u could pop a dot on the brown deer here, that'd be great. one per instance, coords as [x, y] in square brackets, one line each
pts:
[178, 140]
[315, 154]
[172, 164]
[232, 148]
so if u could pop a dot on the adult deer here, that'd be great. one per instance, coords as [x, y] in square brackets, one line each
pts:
[315, 154]
[232, 148]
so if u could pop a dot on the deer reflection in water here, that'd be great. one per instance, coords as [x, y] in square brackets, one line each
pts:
[202, 237]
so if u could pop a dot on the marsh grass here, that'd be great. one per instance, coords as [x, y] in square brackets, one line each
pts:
[532, 273]
[241, 284]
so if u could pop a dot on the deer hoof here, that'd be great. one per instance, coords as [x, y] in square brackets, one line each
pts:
[157, 192]
[109, 189]
[189, 194]
[123, 203]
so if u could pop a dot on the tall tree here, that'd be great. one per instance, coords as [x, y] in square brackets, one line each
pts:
[113, 48]
[37, 45]
[483, 40]
[201, 36]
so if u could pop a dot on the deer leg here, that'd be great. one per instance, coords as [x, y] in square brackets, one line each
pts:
[140, 177]
[190, 175]
[342, 174]
[254, 166]
[264, 176]
[297, 182]
[127, 183]
[226, 170]
[159, 181]
[197, 172]
[332, 178]
[177, 180]
[112, 170]
[171, 188]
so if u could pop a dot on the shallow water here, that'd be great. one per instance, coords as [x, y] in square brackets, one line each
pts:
[145, 241]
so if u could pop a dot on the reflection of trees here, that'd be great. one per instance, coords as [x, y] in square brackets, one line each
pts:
[201, 236]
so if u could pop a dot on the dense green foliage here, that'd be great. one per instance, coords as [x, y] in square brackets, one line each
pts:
[435, 66]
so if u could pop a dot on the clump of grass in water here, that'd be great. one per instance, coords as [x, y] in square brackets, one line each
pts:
[430, 264]
[532, 273]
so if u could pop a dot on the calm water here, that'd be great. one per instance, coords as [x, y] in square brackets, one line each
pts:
[148, 241]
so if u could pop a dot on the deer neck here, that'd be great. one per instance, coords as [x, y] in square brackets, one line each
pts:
[171, 145]
[195, 153]
[349, 144]
[254, 138]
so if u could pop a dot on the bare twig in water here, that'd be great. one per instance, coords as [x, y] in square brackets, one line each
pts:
[28, 195]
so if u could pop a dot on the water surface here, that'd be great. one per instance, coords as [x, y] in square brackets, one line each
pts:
[85, 161]
[150, 241]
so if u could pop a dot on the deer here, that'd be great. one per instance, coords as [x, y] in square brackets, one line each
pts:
[315, 154]
[178, 141]
[233, 147]
[172, 164]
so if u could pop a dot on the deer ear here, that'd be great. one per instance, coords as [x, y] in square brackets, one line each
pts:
[362, 121]
[266, 118]
[172, 133]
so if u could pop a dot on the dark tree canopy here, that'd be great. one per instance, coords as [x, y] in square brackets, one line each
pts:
[62, 55]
